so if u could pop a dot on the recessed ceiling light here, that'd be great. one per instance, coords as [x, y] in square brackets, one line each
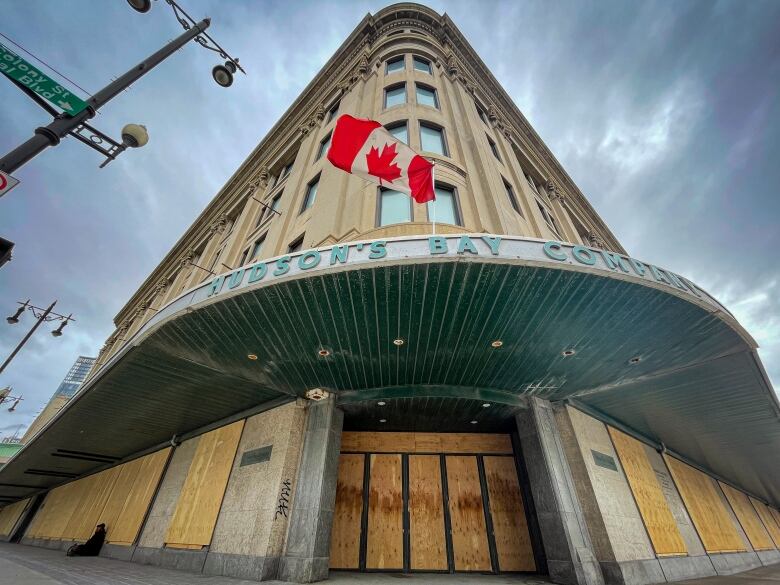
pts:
[251, 356]
[568, 352]
[497, 343]
[473, 422]
[381, 403]
[323, 353]
[383, 420]
[398, 342]
[635, 360]
[485, 404]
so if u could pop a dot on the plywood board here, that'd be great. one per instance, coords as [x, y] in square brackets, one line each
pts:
[345, 533]
[371, 442]
[658, 518]
[705, 506]
[768, 520]
[384, 536]
[748, 518]
[201, 497]
[427, 542]
[510, 526]
[128, 523]
[467, 516]
[100, 490]
[123, 485]
[9, 516]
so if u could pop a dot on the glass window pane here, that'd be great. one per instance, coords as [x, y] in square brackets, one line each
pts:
[395, 65]
[256, 249]
[431, 139]
[311, 194]
[275, 202]
[443, 209]
[395, 207]
[324, 146]
[422, 65]
[333, 111]
[426, 97]
[395, 96]
[400, 132]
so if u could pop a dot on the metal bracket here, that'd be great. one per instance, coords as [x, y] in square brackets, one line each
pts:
[99, 141]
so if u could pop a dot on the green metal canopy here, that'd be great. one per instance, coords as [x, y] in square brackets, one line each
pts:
[415, 322]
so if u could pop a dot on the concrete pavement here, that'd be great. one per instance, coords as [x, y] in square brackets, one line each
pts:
[26, 565]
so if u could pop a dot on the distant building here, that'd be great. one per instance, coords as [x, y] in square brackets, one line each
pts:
[67, 388]
[7, 450]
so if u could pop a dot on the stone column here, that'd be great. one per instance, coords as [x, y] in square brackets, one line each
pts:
[307, 554]
[565, 537]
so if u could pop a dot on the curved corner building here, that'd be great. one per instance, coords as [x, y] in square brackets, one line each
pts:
[318, 377]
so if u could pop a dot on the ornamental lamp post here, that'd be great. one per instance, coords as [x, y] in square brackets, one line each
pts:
[41, 315]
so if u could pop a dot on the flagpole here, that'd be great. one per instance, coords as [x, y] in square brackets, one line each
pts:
[433, 180]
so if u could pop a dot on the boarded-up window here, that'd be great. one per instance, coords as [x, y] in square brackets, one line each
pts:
[658, 518]
[705, 506]
[746, 514]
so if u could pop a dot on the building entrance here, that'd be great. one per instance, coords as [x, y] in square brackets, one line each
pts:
[436, 502]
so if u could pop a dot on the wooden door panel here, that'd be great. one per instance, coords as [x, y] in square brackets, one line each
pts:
[385, 544]
[510, 527]
[427, 542]
[345, 534]
[467, 515]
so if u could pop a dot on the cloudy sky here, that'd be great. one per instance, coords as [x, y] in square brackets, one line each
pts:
[666, 114]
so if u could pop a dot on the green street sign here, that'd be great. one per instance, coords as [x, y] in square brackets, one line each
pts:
[13, 66]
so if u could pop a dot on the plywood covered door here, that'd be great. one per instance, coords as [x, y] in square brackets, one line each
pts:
[467, 514]
[510, 527]
[427, 540]
[385, 532]
[345, 534]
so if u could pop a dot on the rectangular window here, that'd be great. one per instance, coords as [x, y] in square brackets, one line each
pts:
[482, 115]
[266, 213]
[426, 96]
[444, 209]
[394, 207]
[510, 193]
[400, 131]
[531, 183]
[494, 148]
[549, 219]
[421, 64]
[283, 173]
[296, 245]
[256, 249]
[243, 258]
[333, 111]
[395, 96]
[275, 202]
[432, 139]
[311, 194]
[324, 146]
[394, 65]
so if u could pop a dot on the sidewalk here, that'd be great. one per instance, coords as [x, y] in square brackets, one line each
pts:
[26, 565]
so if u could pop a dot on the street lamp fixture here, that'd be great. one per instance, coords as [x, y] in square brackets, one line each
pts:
[223, 74]
[140, 5]
[134, 135]
[41, 316]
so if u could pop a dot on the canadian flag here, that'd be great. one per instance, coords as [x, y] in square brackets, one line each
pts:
[366, 149]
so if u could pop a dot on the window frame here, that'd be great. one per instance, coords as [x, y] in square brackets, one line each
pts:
[434, 126]
[306, 205]
[323, 142]
[455, 199]
[333, 111]
[417, 86]
[251, 257]
[494, 148]
[396, 59]
[512, 196]
[378, 214]
[396, 86]
[548, 217]
[428, 62]
[297, 242]
[397, 124]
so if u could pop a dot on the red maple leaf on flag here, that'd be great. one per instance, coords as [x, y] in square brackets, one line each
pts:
[382, 166]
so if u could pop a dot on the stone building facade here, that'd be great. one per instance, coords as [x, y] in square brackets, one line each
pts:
[328, 377]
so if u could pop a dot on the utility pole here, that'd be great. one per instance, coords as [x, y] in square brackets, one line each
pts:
[63, 124]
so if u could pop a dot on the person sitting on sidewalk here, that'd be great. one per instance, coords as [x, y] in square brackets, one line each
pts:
[92, 547]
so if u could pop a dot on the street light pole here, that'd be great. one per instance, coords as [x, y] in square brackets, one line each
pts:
[40, 320]
[63, 124]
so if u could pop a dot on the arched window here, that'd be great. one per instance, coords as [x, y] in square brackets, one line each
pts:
[400, 130]
[445, 208]
[421, 64]
[394, 64]
[432, 139]
[393, 207]
[395, 95]
[426, 96]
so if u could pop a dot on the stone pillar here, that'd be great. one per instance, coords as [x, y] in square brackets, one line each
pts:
[307, 554]
[565, 537]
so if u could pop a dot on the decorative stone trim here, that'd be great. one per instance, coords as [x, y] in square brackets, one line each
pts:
[553, 192]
